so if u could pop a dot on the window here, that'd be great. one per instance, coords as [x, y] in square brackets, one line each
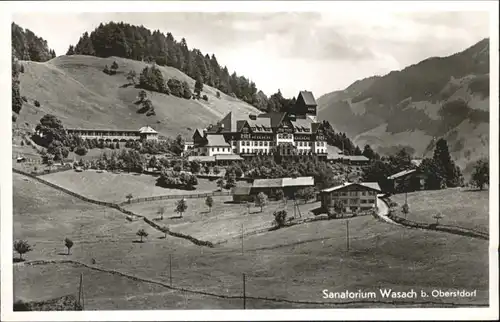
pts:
[217, 149]
[260, 143]
[353, 193]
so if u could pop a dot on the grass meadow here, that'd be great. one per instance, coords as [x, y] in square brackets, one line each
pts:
[294, 263]
[113, 187]
[459, 207]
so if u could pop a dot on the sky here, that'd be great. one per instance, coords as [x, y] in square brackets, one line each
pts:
[291, 51]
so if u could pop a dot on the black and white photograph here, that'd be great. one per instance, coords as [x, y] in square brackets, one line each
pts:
[175, 158]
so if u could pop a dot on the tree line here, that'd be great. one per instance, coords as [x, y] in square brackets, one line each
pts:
[440, 170]
[28, 46]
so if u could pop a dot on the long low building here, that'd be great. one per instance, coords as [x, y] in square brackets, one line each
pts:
[144, 133]
[352, 196]
[289, 186]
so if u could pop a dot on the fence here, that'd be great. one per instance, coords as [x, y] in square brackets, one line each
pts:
[244, 295]
[114, 206]
[457, 230]
[178, 196]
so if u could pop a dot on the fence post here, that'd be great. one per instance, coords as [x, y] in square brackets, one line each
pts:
[170, 274]
[244, 293]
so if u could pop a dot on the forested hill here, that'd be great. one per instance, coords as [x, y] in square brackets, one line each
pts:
[28, 46]
[138, 43]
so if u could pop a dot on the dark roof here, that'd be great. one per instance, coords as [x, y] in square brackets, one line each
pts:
[308, 98]
[275, 117]
[228, 123]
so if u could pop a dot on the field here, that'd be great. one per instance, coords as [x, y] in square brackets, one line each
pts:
[294, 263]
[459, 207]
[113, 187]
[223, 222]
[75, 90]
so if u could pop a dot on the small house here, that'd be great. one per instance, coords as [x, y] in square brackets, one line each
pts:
[352, 196]
[407, 180]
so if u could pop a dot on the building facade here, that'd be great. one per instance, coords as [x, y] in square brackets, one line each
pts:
[144, 133]
[293, 132]
[352, 196]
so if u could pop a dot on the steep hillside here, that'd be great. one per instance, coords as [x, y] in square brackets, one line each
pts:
[438, 97]
[76, 90]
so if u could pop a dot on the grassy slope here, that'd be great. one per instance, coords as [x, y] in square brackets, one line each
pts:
[113, 187]
[459, 207]
[75, 89]
[295, 263]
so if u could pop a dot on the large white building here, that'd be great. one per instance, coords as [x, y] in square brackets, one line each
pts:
[294, 132]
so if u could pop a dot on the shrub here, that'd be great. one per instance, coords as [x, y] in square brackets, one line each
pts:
[81, 150]
[217, 94]
[205, 97]
[37, 103]
[24, 98]
[280, 218]
[14, 117]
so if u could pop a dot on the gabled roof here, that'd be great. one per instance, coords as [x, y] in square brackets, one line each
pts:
[283, 182]
[401, 174]
[216, 140]
[147, 130]
[308, 98]
[260, 125]
[228, 123]
[275, 117]
[242, 189]
[301, 124]
[369, 185]
[267, 183]
[199, 131]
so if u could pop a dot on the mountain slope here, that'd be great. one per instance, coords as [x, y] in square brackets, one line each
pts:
[438, 97]
[75, 89]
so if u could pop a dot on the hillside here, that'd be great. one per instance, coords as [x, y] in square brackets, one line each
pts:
[438, 97]
[75, 89]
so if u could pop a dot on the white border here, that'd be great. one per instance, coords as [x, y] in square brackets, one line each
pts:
[6, 10]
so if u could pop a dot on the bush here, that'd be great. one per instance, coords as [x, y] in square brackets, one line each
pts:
[217, 94]
[24, 98]
[280, 218]
[81, 150]
[14, 117]
[37, 103]
[205, 97]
